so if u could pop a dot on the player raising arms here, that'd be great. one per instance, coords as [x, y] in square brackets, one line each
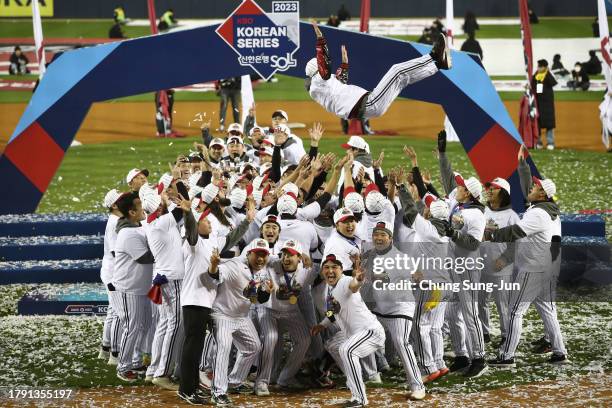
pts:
[351, 101]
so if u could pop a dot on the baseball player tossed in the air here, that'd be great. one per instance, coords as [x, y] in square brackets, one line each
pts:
[351, 101]
[361, 333]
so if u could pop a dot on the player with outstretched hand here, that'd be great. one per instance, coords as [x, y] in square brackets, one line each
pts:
[353, 102]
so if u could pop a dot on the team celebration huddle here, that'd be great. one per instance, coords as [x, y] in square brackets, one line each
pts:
[254, 265]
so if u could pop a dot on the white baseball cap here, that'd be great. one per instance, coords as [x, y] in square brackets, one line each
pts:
[357, 142]
[257, 196]
[234, 139]
[264, 151]
[217, 142]
[280, 112]
[312, 67]
[234, 127]
[209, 193]
[472, 184]
[149, 198]
[238, 197]
[499, 182]
[343, 214]
[354, 202]
[256, 129]
[292, 246]
[258, 245]
[291, 188]
[134, 172]
[111, 198]
[164, 182]
[375, 202]
[547, 185]
[439, 209]
[286, 205]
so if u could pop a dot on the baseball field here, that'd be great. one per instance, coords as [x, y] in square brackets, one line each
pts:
[117, 135]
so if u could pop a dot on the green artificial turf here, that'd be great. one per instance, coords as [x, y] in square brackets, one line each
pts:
[67, 28]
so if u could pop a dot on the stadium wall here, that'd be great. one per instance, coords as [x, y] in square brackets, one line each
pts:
[380, 8]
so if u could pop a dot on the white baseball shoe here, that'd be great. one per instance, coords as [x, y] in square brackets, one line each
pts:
[112, 360]
[104, 354]
[261, 390]
[165, 383]
[418, 395]
[375, 379]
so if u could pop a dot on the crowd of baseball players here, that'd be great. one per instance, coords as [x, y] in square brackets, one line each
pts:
[248, 268]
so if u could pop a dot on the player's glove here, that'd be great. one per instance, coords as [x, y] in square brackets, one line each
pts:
[442, 141]
[450, 232]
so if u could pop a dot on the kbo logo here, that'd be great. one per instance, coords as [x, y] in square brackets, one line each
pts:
[264, 41]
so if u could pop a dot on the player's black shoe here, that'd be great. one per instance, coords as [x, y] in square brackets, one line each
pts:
[352, 404]
[498, 362]
[477, 368]
[441, 53]
[193, 399]
[559, 359]
[459, 364]
[539, 341]
[542, 348]
[221, 400]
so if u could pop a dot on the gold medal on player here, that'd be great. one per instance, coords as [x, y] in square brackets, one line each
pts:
[293, 299]
[329, 313]
[253, 299]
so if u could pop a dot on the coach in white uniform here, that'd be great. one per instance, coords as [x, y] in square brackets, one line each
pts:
[132, 280]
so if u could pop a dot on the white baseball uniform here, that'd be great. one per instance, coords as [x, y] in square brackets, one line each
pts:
[491, 251]
[343, 247]
[278, 315]
[165, 241]
[111, 334]
[534, 262]
[340, 98]
[233, 324]
[468, 220]
[132, 280]
[364, 334]
[394, 309]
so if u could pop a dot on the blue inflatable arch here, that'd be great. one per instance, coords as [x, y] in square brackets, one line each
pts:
[80, 77]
